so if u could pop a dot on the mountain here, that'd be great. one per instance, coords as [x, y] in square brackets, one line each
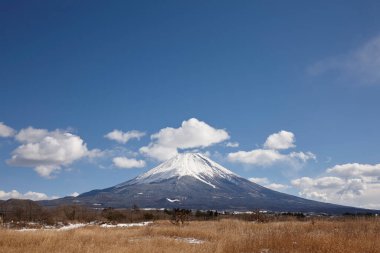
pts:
[193, 181]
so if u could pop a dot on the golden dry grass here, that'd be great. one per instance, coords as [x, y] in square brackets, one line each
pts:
[229, 236]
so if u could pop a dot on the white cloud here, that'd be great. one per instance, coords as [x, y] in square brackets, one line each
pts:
[320, 183]
[159, 152]
[128, 163]
[268, 157]
[205, 153]
[261, 157]
[271, 154]
[259, 180]
[277, 187]
[192, 134]
[361, 65]
[96, 153]
[280, 140]
[232, 144]
[28, 195]
[266, 183]
[332, 189]
[356, 170]
[47, 151]
[303, 156]
[351, 184]
[31, 134]
[124, 137]
[6, 131]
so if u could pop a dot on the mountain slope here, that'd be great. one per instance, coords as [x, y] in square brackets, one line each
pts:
[182, 165]
[194, 181]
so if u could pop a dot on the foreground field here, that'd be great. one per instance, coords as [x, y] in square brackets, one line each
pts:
[209, 236]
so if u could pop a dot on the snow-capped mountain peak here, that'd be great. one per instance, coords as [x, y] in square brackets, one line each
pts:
[193, 181]
[187, 164]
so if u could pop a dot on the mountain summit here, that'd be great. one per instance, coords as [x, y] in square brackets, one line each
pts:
[193, 165]
[193, 181]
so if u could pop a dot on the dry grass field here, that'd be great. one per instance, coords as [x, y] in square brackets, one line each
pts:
[229, 236]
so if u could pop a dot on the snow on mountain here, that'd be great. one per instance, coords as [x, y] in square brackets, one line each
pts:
[187, 164]
[172, 200]
[193, 181]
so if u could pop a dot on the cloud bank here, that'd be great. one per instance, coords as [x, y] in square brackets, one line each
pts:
[351, 184]
[28, 195]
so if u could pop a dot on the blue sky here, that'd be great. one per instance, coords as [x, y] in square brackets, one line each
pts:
[237, 71]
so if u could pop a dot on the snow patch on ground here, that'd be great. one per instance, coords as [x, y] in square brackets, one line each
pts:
[152, 209]
[126, 225]
[27, 229]
[67, 227]
[73, 226]
[189, 240]
[80, 225]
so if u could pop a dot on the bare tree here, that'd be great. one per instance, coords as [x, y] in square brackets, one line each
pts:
[180, 216]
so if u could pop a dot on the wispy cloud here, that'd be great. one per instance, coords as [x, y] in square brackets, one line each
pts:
[360, 66]
[232, 144]
[124, 137]
[266, 183]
